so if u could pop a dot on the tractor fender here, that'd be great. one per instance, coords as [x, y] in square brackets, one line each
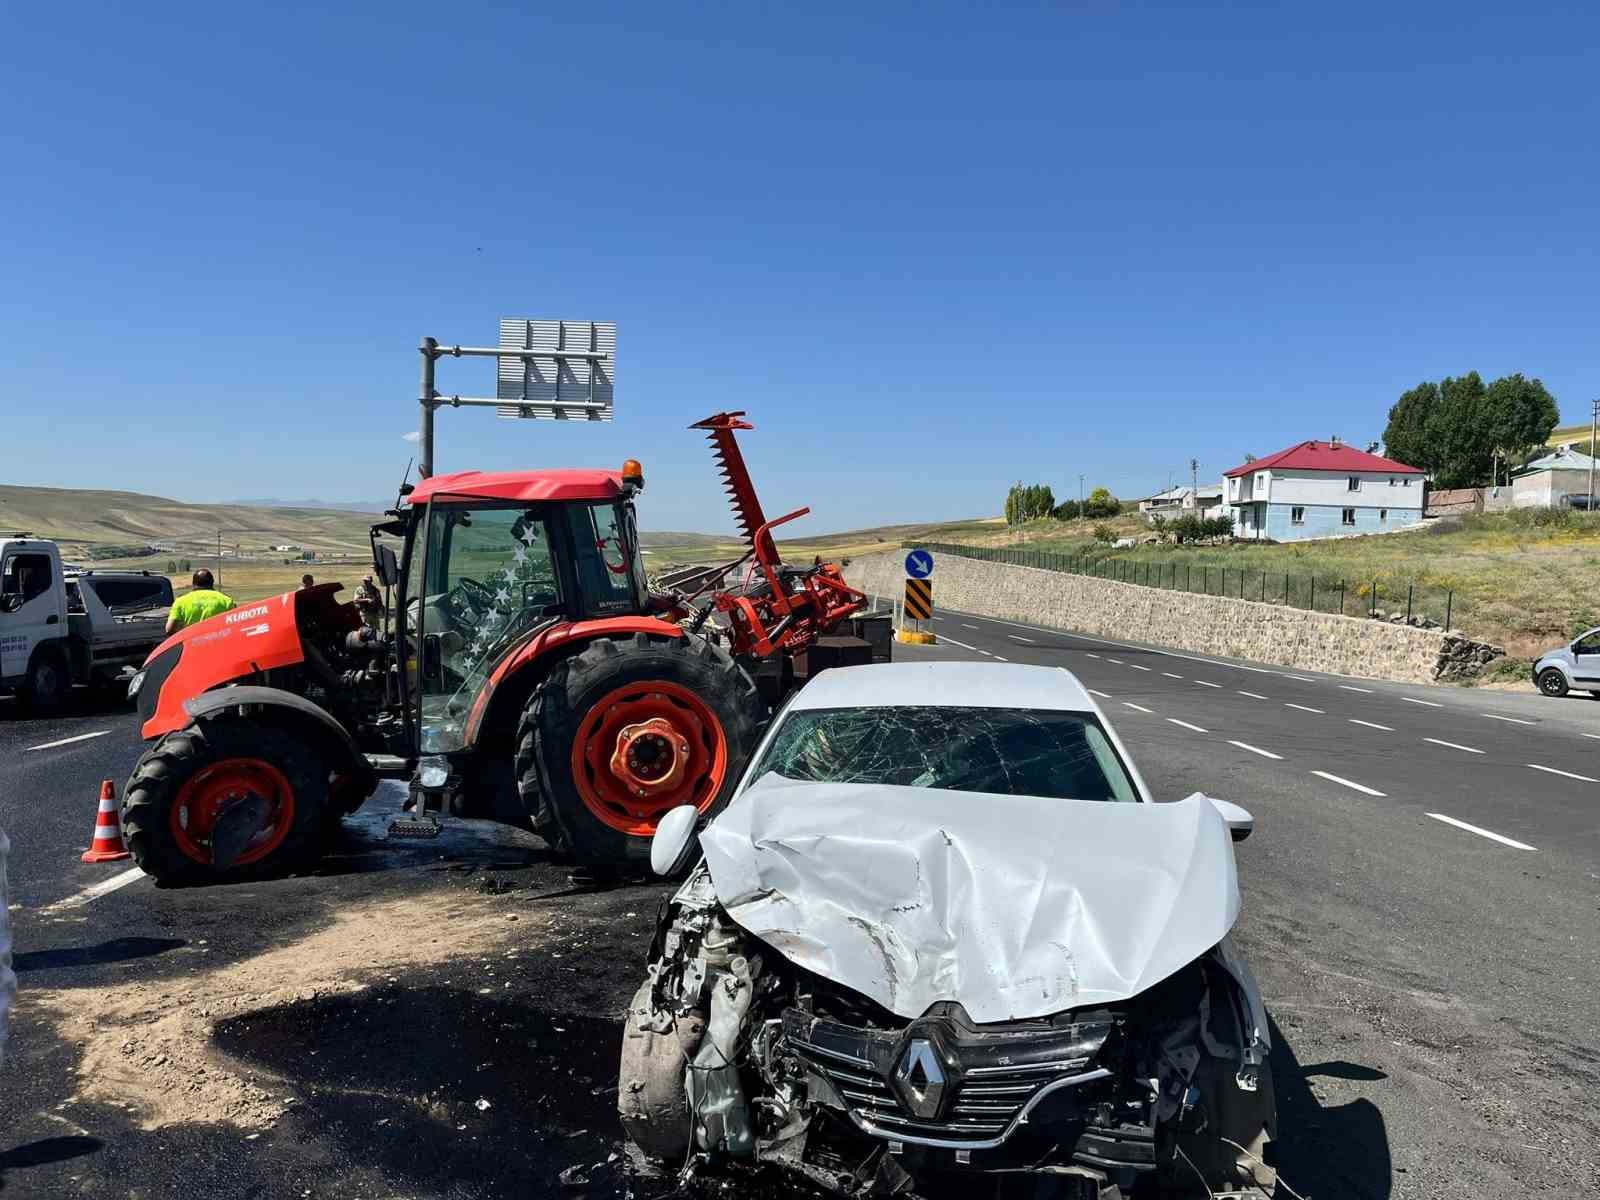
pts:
[499, 703]
[311, 721]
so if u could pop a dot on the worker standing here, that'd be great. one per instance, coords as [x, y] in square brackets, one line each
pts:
[204, 601]
[369, 603]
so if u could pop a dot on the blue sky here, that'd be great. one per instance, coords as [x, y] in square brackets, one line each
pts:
[931, 249]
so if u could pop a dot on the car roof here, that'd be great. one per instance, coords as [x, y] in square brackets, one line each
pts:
[946, 685]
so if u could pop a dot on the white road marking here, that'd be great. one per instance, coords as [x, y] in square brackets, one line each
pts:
[1118, 661]
[1301, 678]
[1253, 695]
[1513, 720]
[82, 737]
[1016, 638]
[1256, 750]
[1207, 683]
[1371, 724]
[1102, 695]
[1414, 700]
[1091, 654]
[1452, 745]
[1347, 687]
[938, 618]
[1349, 783]
[1137, 707]
[1185, 724]
[998, 658]
[94, 892]
[1099, 641]
[1137, 667]
[1170, 675]
[1305, 708]
[964, 625]
[1568, 774]
[950, 641]
[1596, 736]
[1493, 837]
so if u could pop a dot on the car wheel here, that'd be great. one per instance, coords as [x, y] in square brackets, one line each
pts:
[48, 682]
[1552, 682]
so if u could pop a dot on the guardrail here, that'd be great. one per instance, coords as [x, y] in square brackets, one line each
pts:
[1295, 591]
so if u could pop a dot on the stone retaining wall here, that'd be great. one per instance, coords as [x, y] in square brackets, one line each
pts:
[1247, 629]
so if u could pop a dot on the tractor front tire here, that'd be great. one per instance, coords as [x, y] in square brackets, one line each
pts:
[175, 799]
[627, 729]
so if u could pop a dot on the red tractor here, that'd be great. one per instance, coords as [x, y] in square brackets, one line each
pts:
[530, 675]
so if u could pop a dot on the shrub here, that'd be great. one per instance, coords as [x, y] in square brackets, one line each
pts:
[1101, 503]
[1104, 533]
[1067, 510]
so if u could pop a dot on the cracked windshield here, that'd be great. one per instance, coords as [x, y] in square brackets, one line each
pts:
[489, 576]
[1005, 751]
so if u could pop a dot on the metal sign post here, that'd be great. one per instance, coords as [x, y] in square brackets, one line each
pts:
[577, 383]
[917, 605]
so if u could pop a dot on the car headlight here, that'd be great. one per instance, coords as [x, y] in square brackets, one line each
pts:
[433, 773]
[135, 684]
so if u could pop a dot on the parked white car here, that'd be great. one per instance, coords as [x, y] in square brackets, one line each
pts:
[1573, 667]
[940, 928]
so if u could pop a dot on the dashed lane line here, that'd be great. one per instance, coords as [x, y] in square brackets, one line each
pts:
[1253, 695]
[1026, 641]
[1349, 783]
[1568, 774]
[1170, 675]
[1256, 750]
[964, 625]
[1118, 661]
[1414, 700]
[1138, 707]
[95, 891]
[1207, 683]
[67, 741]
[1102, 695]
[1513, 720]
[950, 641]
[1348, 688]
[1492, 836]
[1371, 724]
[1452, 745]
[1301, 678]
[1137, 667]
[1091, 654]
[1596, 736]
[1186, 724]
[1305, 708]
[998, 658]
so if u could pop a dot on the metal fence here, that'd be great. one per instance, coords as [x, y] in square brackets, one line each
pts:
[1351, 597]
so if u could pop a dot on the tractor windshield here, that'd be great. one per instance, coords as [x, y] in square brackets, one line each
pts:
[488, 576]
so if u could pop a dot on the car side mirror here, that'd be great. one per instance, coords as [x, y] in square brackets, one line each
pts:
[1238, 820]
[673, 840]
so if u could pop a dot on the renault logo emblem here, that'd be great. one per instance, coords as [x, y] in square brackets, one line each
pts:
[919, 1079]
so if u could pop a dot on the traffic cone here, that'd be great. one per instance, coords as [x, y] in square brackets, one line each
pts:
[108, 845]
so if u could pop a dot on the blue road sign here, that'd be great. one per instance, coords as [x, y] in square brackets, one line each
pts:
[919, 564]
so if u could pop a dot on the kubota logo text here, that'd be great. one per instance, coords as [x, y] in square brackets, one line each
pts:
[246, 614]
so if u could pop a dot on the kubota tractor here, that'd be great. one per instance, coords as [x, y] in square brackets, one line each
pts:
[529, 675]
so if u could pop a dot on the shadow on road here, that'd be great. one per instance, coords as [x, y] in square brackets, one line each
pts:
[447, 1087]
[45, 1151]
[111, 700]
[1338, 1151]
[122, 949]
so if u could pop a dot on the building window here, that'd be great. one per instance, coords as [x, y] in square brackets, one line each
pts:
[1391, 481]
[1353, 484]
[1383, 514]
[1406, 482]
[1297, 515]
[1349, 516]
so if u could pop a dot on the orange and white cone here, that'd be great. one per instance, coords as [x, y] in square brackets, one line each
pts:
[108, 845]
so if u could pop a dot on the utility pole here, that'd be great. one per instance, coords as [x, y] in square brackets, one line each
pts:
[1594, 420]
[1194, 479]
[1080, 480]
[219, 558]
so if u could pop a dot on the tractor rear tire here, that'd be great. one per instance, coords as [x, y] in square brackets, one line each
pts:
[171, 781]
[571, 726]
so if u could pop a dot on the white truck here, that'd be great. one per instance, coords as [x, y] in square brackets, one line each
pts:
[61, 626]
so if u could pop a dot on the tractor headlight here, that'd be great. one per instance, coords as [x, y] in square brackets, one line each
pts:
[135, 684]
[433, 773]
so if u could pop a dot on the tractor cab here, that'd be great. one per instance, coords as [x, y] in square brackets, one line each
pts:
[490, 559]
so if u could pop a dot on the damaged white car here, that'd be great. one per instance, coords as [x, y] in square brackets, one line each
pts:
[941, 942]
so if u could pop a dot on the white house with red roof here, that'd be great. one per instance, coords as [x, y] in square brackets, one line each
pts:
[1322, 489]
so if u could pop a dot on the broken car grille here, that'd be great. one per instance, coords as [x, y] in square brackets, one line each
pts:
[941, 1080]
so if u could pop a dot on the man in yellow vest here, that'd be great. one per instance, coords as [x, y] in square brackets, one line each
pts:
[205, 601]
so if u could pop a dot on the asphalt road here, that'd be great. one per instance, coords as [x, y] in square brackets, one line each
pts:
[1433, 981]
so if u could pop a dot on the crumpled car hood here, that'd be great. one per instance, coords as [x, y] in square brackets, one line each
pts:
[1013, 906]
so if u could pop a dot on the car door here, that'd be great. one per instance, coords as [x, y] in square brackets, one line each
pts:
[1586, 661]
[30, 607]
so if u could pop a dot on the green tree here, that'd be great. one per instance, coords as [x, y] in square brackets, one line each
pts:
[1101, 503]
[1518, 415]
[1406, 438]
[1457, 429]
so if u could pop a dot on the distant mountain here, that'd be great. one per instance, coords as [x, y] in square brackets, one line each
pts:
[364, 506]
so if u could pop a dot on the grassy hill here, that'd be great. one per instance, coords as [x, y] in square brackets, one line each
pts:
[1563, 434]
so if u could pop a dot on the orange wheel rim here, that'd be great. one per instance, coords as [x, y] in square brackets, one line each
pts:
[645, 749]
[202, 799]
